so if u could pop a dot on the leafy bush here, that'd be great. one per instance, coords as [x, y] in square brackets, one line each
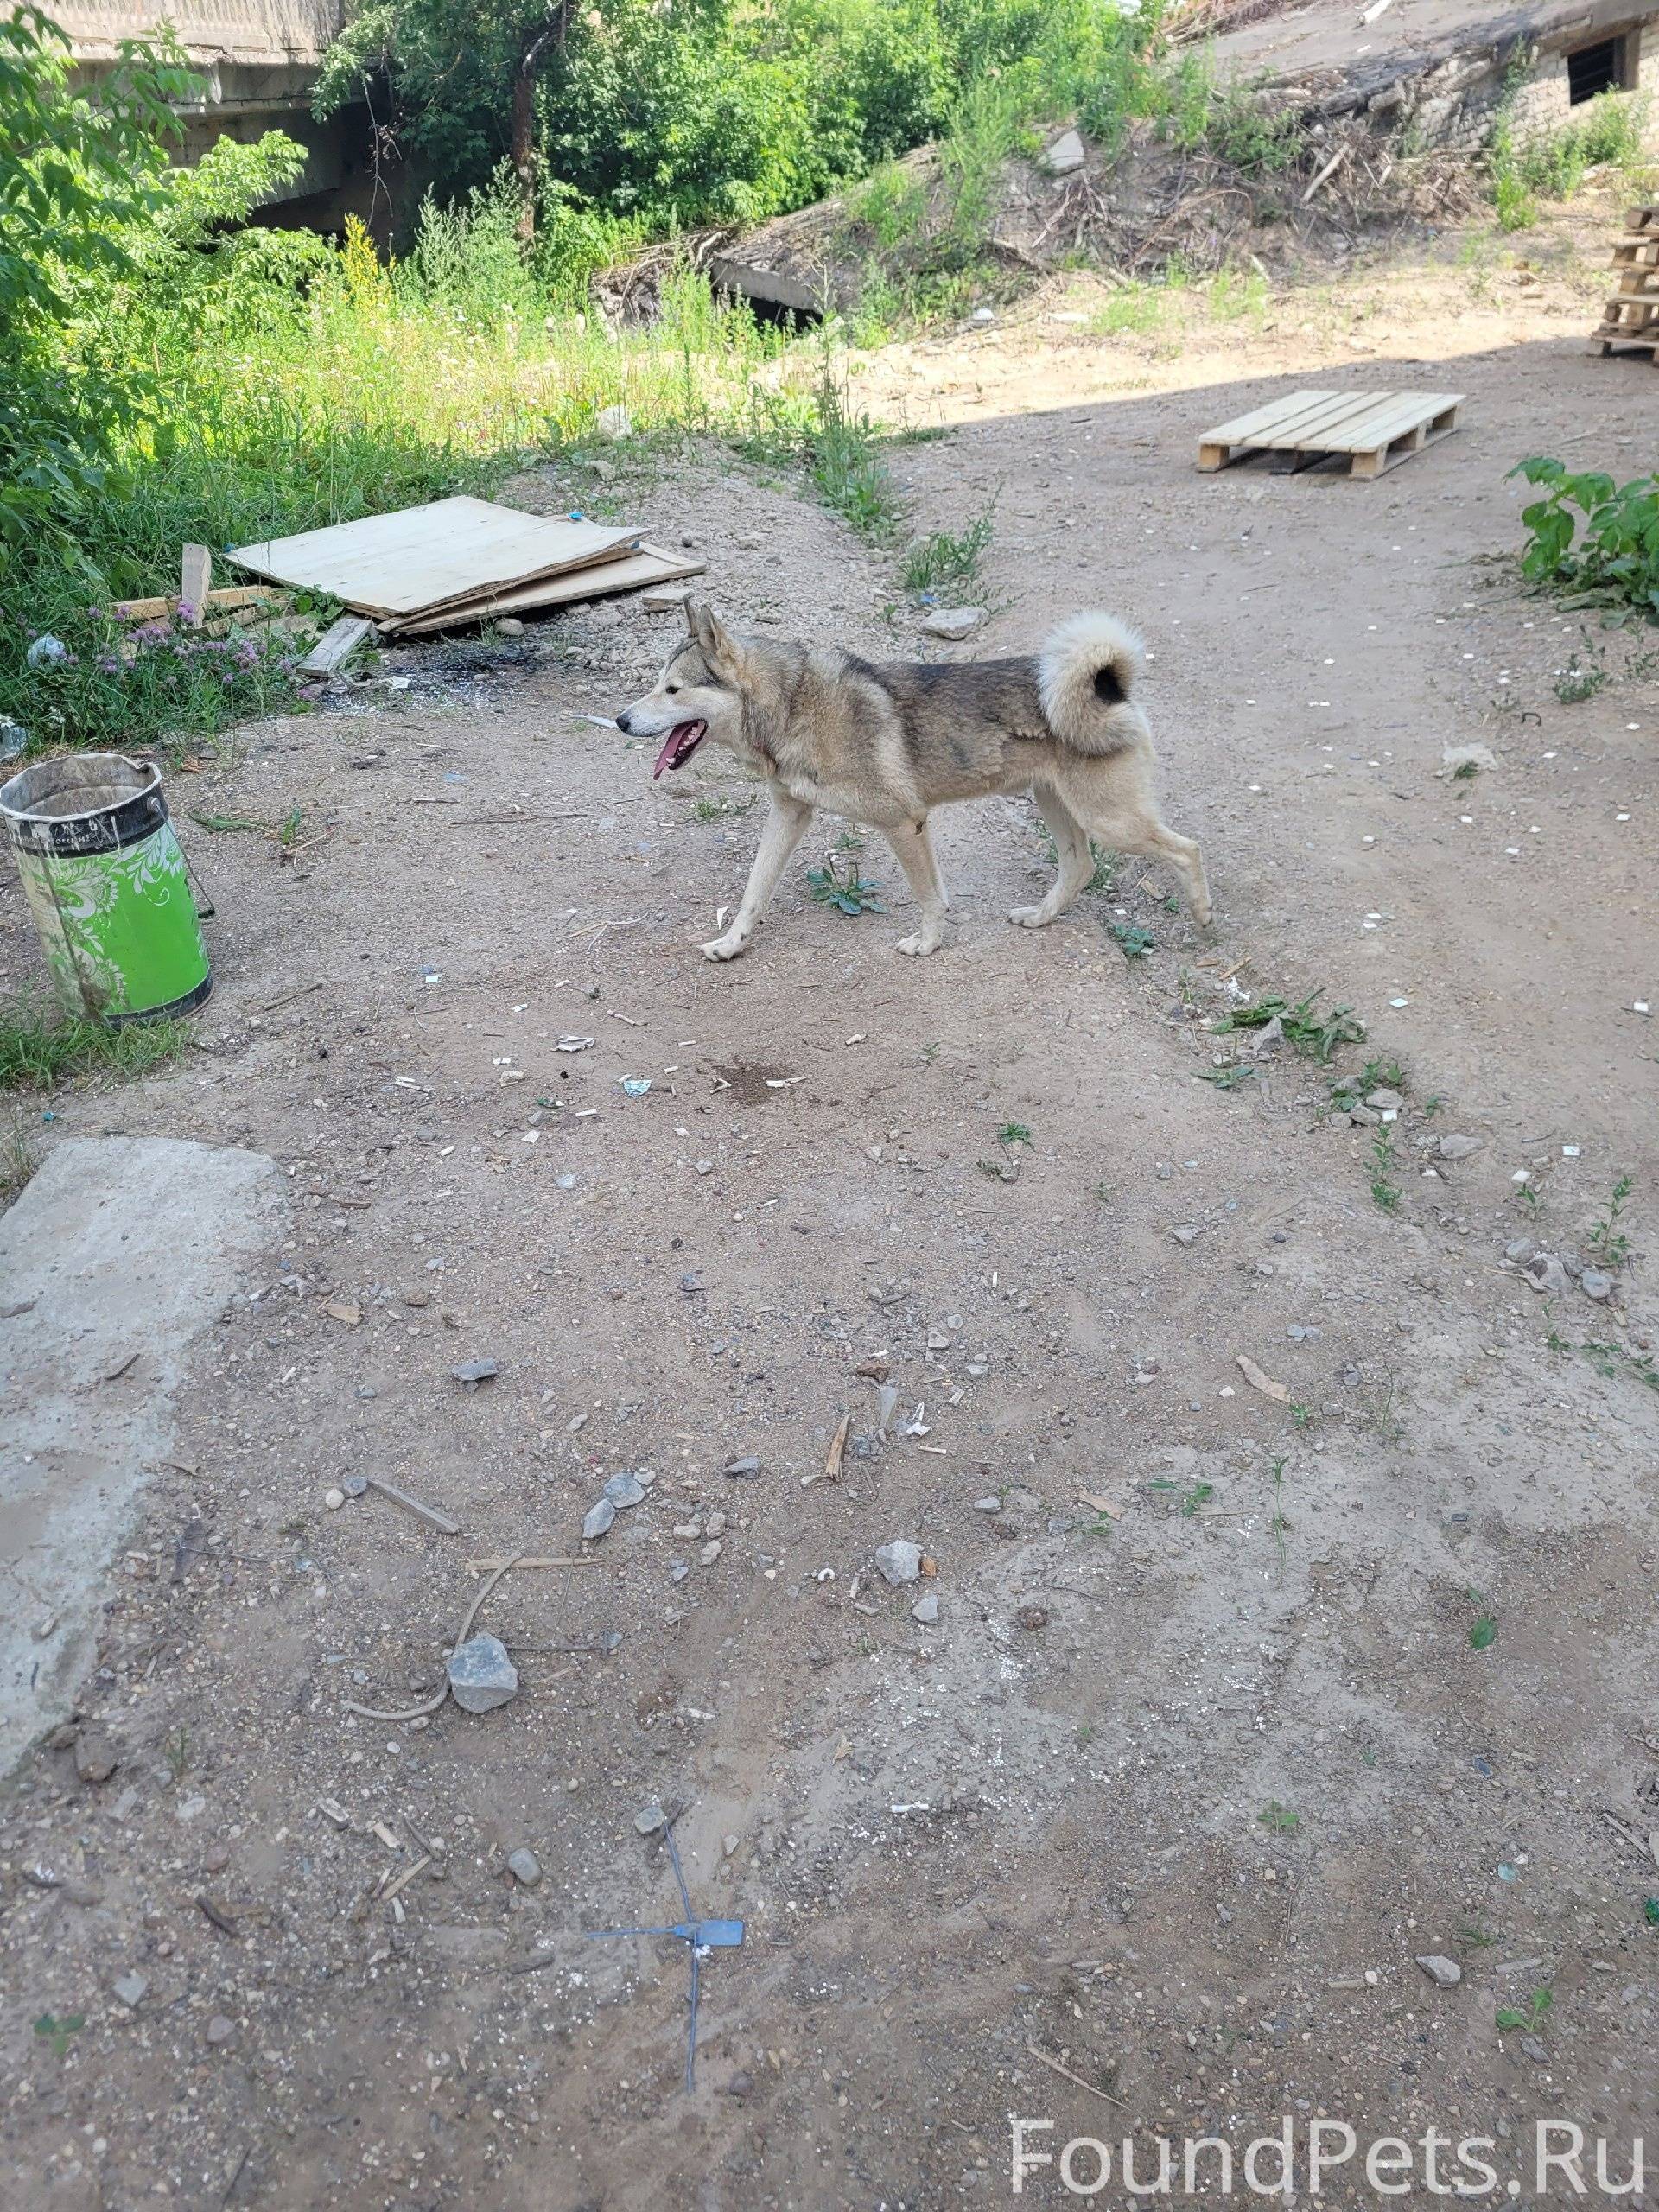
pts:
[1553, 164]
[1611, 545]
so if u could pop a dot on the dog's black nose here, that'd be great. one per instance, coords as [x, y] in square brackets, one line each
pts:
[623, 724]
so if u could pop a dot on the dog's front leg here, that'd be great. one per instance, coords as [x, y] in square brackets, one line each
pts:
[785, 827]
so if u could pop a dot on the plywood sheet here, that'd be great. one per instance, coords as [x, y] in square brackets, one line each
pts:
[652, 564]
[424, 558]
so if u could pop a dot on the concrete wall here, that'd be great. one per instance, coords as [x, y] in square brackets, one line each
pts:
[259, 60]
[1454, 103]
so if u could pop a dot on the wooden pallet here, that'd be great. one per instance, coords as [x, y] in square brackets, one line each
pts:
[1643, 218]
[1376, 430]
[1638, 284]
[1628, 318]
[1637, 252]
[1621, 342]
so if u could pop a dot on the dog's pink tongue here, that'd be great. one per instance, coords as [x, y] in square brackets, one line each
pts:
[667, 753]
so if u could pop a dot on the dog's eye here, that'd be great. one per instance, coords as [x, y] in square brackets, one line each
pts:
[671, 689]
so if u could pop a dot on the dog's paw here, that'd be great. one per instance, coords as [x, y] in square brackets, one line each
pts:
[1030, 918]
[916, 946]
[727, 947]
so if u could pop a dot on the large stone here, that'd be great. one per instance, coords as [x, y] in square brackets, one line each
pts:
[1063, 154]
[898, 1562]
[1444, 1973]
[1456, 1148]
[953, 621]
[598, 1519]
[481, 1675]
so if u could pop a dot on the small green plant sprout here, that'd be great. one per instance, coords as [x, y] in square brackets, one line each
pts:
[59, 2033]
[1231, 1077]
[1199, 1495]
[1476, 1939]
[848, 893]
[1607, 1240]
[1385, 1194]
[1483, 1629]
[1465, 772]
[177, 1752]
[1310, 1032]
[1348, 1092]
[1131, 940]
[722, 810]
[1651, 1912]
[1576, 682]
[1279, 1818]
[1013, 1133]
[1531, 2015]
[1281, 1526]
[947, 559]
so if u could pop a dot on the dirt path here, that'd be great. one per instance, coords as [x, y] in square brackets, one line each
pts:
[1199, 1757]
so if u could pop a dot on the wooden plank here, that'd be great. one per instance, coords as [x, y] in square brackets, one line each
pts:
[1243, 427]
[421, 559]
[1636, 252]
[1405, 411]
[1638, 284]
[1321, 430]
[336, 645]
[228, 596]
[1339, 430]
[1643, 218]
[652, 564]
[195, 578]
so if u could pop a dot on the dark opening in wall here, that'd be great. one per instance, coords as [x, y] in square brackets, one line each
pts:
[1592, 69]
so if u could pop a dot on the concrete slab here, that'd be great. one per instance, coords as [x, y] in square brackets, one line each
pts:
[111, 1262]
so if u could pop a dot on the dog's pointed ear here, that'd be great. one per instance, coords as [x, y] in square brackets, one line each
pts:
[719, 649]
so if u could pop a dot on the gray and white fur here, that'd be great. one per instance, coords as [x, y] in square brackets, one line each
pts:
[884, 742]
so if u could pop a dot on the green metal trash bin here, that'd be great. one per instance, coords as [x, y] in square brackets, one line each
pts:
[107, 886]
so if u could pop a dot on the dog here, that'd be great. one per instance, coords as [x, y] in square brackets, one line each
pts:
[884, 742]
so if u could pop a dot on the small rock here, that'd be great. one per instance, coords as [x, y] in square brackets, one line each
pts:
[354, 1485]
[216, 1858]
[728, 1845]
[624, 1491]
[1468, 756]
[598, 1519]
[705, 1167]
[743, 1469]
[1389, 1102]
[953, 621]
[510, 627]
[1444, 1972]
[131, 1990]
[1459, 1148]
[1520, 1250]
[1185, 1234]
[710, 1552]
[982, 316]
[1546, 1275]
[334, 1499]
[650, 1818]
[899, 1561]
[481, 1675]
[926, 1610]
[1594, 1284]
[525, 1867]
[988, 1505]
[1063, 154]
[1034, 1617]
[96, 1757]
[614, 422]
[220, 2031]
[474, 1372]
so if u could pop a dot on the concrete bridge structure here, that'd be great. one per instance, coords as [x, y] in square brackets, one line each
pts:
[259, 60]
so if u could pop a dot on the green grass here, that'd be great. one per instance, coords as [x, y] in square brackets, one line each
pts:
[1526, 167]
[1317, 1035]
[1016, 1133]
[40, 1050]
[948, 559]
[844, 888]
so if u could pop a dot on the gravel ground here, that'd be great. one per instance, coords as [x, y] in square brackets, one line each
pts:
[1209, 1744]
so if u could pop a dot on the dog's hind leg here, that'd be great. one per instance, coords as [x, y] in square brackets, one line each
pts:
[1141, 829]
[913, 846]
[785, 827]
[1077, 862]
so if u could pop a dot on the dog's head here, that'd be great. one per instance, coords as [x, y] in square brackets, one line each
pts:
[698, 694]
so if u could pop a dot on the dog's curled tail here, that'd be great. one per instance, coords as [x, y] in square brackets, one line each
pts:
[1086, 675]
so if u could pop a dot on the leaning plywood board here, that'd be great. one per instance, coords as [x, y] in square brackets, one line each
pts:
[650, 565]
[425, 558]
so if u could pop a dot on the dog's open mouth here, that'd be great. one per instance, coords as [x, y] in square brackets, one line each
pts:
[678, 746]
